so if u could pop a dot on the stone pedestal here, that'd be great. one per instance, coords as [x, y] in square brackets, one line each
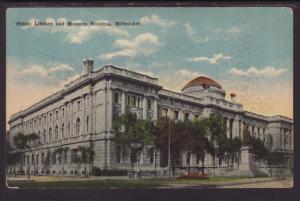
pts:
[247, 167]
[245, 158]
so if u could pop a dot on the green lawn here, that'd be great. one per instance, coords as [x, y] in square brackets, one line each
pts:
[122, 183]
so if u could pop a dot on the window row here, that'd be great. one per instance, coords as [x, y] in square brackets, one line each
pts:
[133, 100]
[51, 116]
[53, 135]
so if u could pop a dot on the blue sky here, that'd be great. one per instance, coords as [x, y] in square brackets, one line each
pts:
[248, 50]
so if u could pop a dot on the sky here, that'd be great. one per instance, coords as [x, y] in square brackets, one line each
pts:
[249, 51]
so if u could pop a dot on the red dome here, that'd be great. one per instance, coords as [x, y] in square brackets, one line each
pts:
[202, 81]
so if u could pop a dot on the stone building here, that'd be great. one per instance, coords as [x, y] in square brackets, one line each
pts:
[81, 114]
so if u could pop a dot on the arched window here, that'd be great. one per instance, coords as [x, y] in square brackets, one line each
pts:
[50, 134]
[62, 130]
[68, 128]
[87, 124]
[77, 126]
[44, 136]
[56, 133]
[40, 137]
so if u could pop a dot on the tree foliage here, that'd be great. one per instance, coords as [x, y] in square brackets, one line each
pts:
[134, 134]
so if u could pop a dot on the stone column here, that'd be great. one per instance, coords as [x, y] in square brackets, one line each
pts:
[282, 138]
[235, 128]
[250, 130]
[145, 109]
[71, 120]
[256, 131]
[170, 113]
[93, 111]
[242, 129]
[228, 128]
[155, 109]
[110, 109]
[105, 107]
[180, 115]
[206, 112]
[108, 152]
[82, 116]
[191, 116]
[123, 104]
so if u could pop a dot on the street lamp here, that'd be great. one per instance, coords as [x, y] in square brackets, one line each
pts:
[134, 145]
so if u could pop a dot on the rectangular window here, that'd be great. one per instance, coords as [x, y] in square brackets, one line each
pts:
[128, 99]
[118, 156]
[116, 99]
[186, 116]
[42, 158]
[176, 114]
[74, 156]
[149, 104]
[134, 101]
[139, 102]
[151, 155]
[37, 159]
[164, 112]
[54, 158]
[188, 158]
[66, 156]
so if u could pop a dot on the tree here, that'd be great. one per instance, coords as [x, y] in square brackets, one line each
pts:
[200, 144]
[258, 148]
[166, 127]
[62, 151]
[133, 134]
[21, 142]
[233, 147]
[217, 130]
[87, 157]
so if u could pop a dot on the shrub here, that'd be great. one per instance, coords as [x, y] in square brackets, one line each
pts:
[197, 175]
[114, 172]
[98, 172]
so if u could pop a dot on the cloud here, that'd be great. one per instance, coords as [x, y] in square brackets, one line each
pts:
[43, 71]
[192, 34]
[181, 76]
[155, 19]
[213, 60]
[20, 94]
[67, 80]
[219, 33]
[61, 67]
[233, 30]
[143, 44]
[253, 71]
[35, 70]
[78, 34]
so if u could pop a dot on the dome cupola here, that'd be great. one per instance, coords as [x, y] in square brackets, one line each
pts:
[203, 86]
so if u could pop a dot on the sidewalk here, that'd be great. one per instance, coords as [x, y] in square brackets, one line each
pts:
[245, 183]
[42, 178]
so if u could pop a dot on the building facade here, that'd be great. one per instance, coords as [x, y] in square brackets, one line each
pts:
[81, 115]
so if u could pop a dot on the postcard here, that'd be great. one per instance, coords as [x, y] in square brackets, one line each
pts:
[149, 97]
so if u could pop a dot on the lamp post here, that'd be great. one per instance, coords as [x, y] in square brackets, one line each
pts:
[134, 145]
